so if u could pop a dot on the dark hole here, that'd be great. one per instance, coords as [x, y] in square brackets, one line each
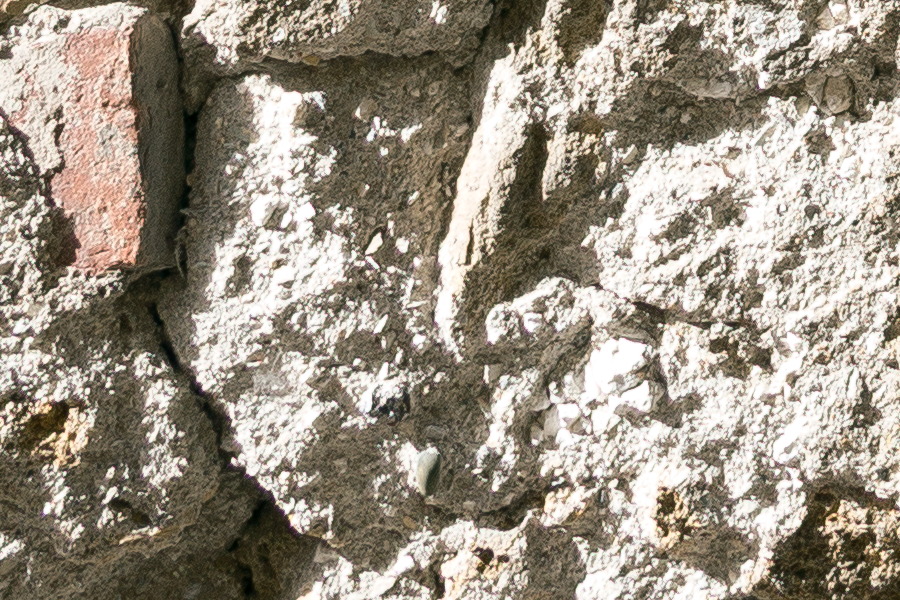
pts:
[892, 331]
[124, 325]
[439, 588]
[718, 345]
[884, 69]
[165, 343]
[140, 518]
[41, 426]
[245, 576]
[119, 505]
[761, 357]
[824, 497]
[485, 555]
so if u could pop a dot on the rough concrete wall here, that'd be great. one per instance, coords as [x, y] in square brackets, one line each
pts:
[408, 299]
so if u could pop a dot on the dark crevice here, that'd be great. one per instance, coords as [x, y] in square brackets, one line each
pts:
[267, 523]
[270, 558]
[656, 314]
[511, 516]
[439, 589]
[164, 341]
[216, 416]
[244, 571]
[508, 24]
[662, 316]
[190, 163]
[190, 147]
[512, 20]
[245, 576]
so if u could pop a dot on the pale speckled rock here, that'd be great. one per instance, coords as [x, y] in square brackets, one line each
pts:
[10, 10]
[635, 341]
[279, 244]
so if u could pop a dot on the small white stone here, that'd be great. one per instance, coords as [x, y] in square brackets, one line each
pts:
[262, 209]
[491, 374]
[639, 398]
[428, 471]
[568, 413]
[306, 211]
[284, 275]
[564, 438]
[365, 110]
[374, 244]
[630, 155]
[612, 364]
[532, 321]
[384, 370]
[786, 447]
[110, 494]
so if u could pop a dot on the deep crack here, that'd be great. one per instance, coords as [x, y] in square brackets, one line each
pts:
[268, 528]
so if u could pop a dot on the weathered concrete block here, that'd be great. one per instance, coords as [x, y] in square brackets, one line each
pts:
[304, 188]
[95, 93]
[226, 37]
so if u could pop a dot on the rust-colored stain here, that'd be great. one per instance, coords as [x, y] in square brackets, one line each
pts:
[99, 188]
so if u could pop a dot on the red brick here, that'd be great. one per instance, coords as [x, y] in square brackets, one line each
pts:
[115, 166]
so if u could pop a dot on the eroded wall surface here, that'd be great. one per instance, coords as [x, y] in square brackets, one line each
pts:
[408, 299]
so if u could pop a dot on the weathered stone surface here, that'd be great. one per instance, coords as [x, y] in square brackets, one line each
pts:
[10, 10]
[95, 94]
[225, 37]
[638, 302]
[111, 484]
[628, 268]
[283, 241]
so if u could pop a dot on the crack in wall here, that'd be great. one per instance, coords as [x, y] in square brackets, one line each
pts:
[268, 527]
